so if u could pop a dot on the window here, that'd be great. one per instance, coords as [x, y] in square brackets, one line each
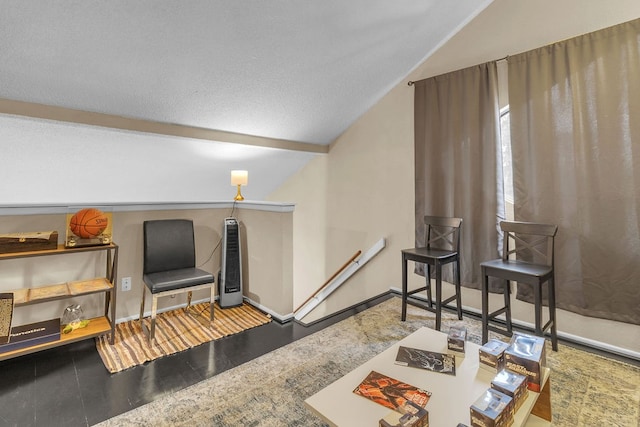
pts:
[507, 170]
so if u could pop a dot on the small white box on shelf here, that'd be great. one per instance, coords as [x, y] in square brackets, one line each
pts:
[491, 409]
[491, 355]
[456, 339]
[409, 414]
[512, 384]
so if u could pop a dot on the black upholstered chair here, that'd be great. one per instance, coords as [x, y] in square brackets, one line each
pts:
[532, 244]
[170, 266]
[442, 242]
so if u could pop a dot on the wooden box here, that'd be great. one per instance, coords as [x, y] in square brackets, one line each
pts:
[28, 241]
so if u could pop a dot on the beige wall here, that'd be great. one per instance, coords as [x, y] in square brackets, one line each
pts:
[267, 264]
[368, 173]
[268, 259]
[309, 187]
[367, 183]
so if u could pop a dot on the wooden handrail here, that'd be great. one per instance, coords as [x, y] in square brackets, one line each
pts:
[346, 264]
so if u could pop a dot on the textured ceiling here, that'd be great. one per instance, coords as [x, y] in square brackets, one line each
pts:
[295, 70]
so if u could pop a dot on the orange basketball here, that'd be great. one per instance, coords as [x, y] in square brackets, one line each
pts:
[88, 223]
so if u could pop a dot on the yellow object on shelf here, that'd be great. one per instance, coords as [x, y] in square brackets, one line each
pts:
[75, 325]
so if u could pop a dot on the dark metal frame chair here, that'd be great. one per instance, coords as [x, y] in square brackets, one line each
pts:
[442, 243]
[170, 266]
[533, 264]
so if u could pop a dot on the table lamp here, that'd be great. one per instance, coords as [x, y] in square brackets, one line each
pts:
[239, 178]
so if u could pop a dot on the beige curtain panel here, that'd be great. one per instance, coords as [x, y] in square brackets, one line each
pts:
[575, 136]
[458, 163]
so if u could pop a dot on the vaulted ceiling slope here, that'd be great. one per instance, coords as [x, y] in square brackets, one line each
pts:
[294, 70]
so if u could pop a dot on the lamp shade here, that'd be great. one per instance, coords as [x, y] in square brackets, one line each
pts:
[239, 177]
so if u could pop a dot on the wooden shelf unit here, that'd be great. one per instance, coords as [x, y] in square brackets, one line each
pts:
[97, 326]
[37, 295]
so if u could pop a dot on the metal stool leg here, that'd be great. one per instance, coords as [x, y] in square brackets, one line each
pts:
[212, 302]
[154, 309]
[144, 293]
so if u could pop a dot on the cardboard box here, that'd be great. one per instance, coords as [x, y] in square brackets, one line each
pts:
[491, 409]
[526, 355]
[513, 385]
[491, 355]
[456, 339]
[409, 414]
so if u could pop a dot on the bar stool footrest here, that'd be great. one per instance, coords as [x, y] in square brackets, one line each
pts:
[425, 305]
[415, 291]
[499, 330]
[496, 313]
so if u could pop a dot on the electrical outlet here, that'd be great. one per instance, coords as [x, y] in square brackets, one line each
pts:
[126, 284]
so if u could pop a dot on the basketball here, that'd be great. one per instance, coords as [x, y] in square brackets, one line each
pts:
[88, 223]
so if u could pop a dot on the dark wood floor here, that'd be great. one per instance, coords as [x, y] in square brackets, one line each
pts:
[69, 386]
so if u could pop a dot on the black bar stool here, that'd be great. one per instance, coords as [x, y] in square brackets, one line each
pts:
[533, 264]
[442, 247]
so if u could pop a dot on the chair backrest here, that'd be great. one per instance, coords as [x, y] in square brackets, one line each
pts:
[529, 241]
[442, 232]
[169, 244]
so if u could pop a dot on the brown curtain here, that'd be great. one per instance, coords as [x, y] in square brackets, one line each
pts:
[575, 135]
[458, 163]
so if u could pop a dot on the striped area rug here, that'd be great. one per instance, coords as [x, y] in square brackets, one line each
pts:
[175, 331]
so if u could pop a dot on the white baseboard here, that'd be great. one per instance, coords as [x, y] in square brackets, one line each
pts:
[280, 318]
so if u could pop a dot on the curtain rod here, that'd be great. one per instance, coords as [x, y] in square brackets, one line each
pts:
[411, 82]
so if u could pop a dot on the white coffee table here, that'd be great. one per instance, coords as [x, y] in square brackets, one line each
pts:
[452, 395]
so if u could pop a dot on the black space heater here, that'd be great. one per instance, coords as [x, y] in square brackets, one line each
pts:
[230, 279]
